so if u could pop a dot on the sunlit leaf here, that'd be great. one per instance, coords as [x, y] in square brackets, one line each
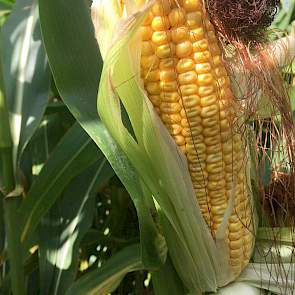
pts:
[72, 156]
[26, 72]
[107, 278]
[65, 225]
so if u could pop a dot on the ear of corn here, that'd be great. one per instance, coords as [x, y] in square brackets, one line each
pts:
[187, 82]
[160, 165]
[201, 264]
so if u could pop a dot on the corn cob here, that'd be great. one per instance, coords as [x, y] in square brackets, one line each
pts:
[188, 85]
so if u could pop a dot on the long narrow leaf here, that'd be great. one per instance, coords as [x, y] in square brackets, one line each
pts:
[64, 227]
[73, 155]
[167, 281]
[26, 72]
[107, 278]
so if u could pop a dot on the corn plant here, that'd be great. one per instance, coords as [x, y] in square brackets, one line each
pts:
[146, 147]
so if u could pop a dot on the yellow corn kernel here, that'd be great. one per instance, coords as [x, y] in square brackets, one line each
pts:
[161, 7]
[209, 111]
[208, 100]
[205, 79]
[177, 17]
[194, 19]
[203, 68]
[161, 37]
[179, 34]
[206, 90]
[160, 23]
[155, 99]
[211, 131]
[211, 121]
[184, 49]
[191, 101]
[185, 65]
[168, 64]
[192, 131]
[197, 34]
[188, 89]
[146, 33]
[151, 76]
[212, 140]
[171, 119]
[196, 148]
[149, 62]
[153, 88]
[202, 56]
[197, 120]
[174, 129]
[147, 48]
[170, 96]
[170, 108]
[170, 86]
[180, 140]
[187, 78]
[168, 75]
[201, 45]
[165, 50]
[192, 5]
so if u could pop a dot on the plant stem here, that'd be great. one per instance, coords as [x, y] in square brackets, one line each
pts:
[14, 246]
[7, 180]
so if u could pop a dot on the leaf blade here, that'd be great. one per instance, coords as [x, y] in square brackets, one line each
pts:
[73, 155]
[24, 61]
[107, 278]
[68, 222]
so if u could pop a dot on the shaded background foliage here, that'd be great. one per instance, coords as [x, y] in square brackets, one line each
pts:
[69, 222]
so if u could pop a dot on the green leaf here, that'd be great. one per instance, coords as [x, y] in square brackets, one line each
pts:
[107, 278]
[64, 226]
[279, 234]
[6, 4]
[14, 246]
[73, 155]
[292, 98]
[2, 223]
[26, 72]
[7, 179]
[5, 9]
[285, 15]
[167, 281]
[75, 61]
[76, 65]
